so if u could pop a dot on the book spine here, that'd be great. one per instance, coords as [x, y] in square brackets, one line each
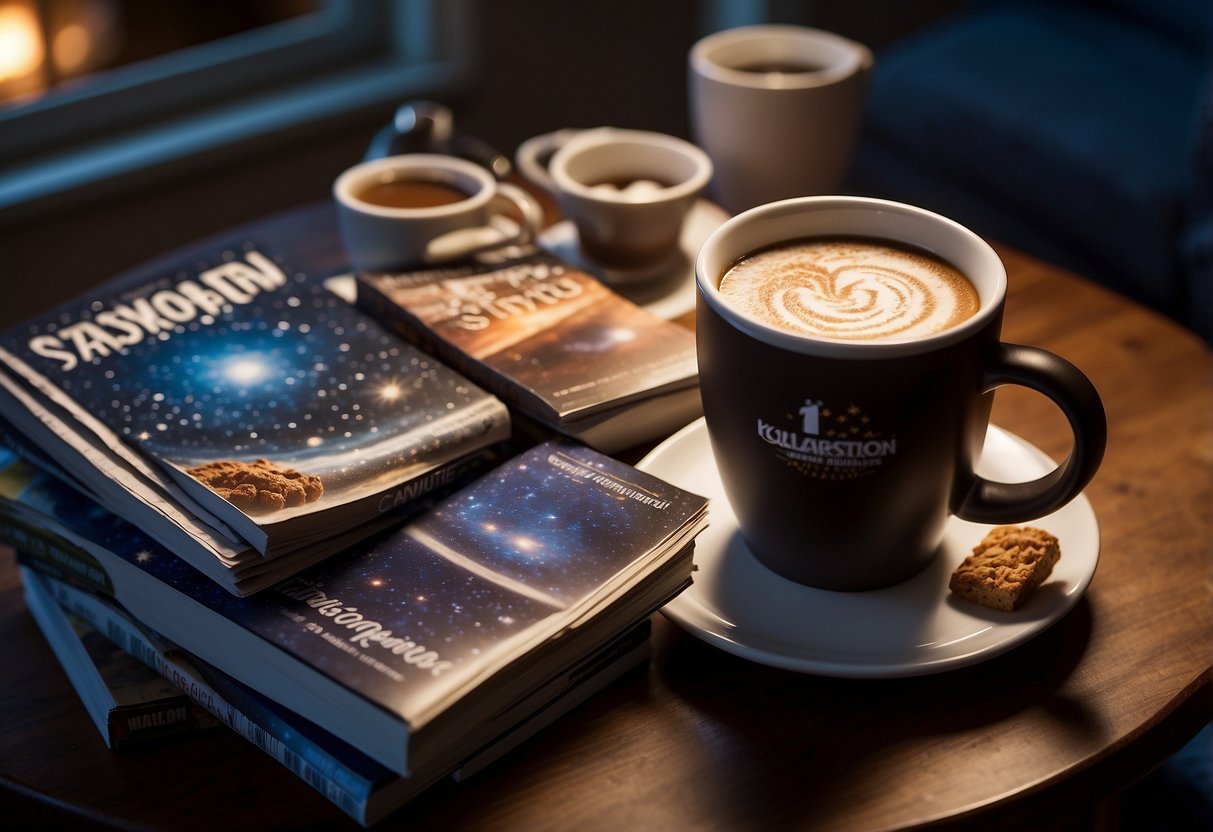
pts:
[127, 717]
[344, 788]
[19, 445]
[43, 550]
[135, 725]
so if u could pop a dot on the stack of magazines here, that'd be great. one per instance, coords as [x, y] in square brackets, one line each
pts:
[315, 530]
[249, 420]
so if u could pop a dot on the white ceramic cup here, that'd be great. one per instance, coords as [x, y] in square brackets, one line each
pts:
[627, 191]
[776, 134]
[382, 238]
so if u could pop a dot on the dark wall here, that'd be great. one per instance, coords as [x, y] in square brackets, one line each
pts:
[547, 64]
[538, 74]
[540, 65]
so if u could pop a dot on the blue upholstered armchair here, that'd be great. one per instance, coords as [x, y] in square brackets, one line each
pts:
[1080, 131]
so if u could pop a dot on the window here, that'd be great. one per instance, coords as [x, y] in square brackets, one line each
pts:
[49, 43]
[79, 112]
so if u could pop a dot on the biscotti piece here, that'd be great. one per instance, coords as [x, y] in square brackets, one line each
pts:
[1006, 567]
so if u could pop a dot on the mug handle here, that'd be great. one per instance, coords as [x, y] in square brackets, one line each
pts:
[997, 502]
[465, 242]
[528, 209]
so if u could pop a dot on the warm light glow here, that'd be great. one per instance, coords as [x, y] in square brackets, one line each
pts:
[71, 47]
[390, 392]
[20, 42]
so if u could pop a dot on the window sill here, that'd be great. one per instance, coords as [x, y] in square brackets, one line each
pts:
[93, 170]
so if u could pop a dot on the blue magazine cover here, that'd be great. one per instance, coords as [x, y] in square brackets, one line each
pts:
[417, 633]
[229, 379]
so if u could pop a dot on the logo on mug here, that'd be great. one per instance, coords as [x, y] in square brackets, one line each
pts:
[827, 442]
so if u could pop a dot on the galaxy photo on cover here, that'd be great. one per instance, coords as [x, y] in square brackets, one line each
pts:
[560, 518]
[487, 566]
[296, 376]
[396, 581]
[466, 579]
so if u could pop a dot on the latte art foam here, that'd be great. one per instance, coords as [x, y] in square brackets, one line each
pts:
[850, 290]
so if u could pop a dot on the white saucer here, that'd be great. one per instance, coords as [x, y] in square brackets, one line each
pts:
[667, 291]
[911, 629]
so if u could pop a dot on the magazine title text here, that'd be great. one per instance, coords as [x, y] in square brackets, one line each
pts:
[121, 325]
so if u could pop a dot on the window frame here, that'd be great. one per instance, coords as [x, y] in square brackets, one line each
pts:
[127, 124]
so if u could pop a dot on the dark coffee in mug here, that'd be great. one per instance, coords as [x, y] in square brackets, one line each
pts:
[411, 193]
[783, 66]
[850, 289]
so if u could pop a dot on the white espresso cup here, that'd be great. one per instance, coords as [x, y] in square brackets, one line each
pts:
[627, 191]
[419, 208]
[777, 108]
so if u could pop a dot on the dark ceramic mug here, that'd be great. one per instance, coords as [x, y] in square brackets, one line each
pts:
[871, 512]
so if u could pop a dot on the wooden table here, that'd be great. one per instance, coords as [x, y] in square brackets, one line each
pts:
[704, 740]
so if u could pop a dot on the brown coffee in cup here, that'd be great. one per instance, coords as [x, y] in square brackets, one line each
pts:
[850, 289]
[411, 193]
[398, 212]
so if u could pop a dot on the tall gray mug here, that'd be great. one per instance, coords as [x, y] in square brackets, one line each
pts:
[777, 108]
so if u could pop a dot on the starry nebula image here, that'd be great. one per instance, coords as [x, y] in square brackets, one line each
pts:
[242, 357]
[560, 518]
[523, 543]
[455, 589]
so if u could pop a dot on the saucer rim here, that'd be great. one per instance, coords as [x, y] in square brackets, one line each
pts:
[711, 627]
[560, 239]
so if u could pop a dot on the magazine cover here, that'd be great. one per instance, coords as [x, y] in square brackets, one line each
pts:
[428, 629]
[545, 336]
[271, 402]
[248, 572]
[134, 491]
[356, 784]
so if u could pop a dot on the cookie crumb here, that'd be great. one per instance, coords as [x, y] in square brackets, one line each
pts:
[1006, 567]
[260, 486]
